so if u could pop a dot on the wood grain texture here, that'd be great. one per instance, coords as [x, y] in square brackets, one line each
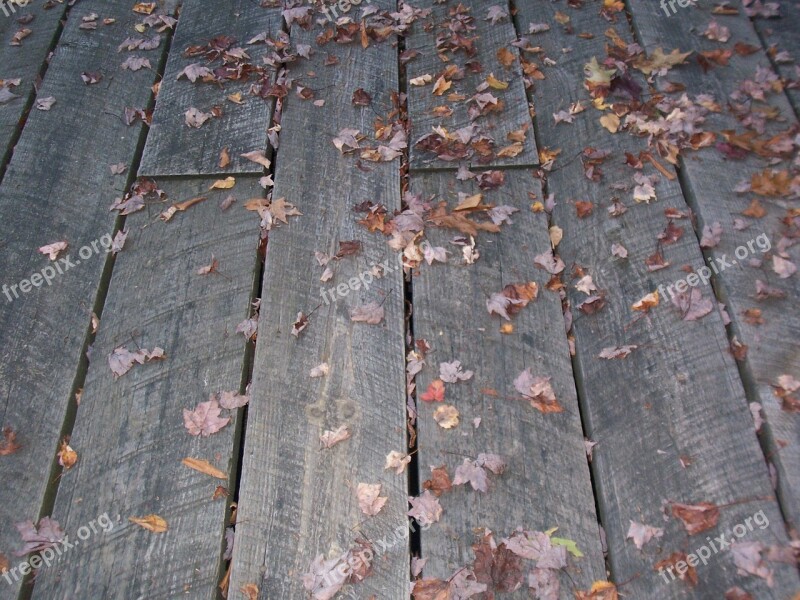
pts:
[129, 432]
[546, 483]
[58, 187]
[173, 148]
[709, 182]
[781, 33]
[297, 500]
[671, 420]
[23, 62]
[421, 101]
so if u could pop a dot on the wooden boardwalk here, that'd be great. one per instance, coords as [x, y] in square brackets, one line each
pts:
[429, 299]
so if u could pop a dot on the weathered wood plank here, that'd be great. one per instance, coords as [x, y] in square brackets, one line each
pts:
[671, 420]
[173, 148]
[782, 34]
[129, 432]
[58, 186]
[296, 500]
[546, 483]
[710, 180]
[24, 61]
[488, 39]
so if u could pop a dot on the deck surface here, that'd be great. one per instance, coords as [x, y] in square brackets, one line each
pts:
[438, 300]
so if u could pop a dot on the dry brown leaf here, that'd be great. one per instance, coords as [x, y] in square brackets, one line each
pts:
[204, 467]
[152, 523]
[224, 159]
[446, 416]
[180, 207]
[369, 499]
[67, 457]
[223, 184]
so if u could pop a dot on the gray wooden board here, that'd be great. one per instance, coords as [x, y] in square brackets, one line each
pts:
[129, 432]
[173, 148]
[679, 393]
[782, 33]
[297, 500]
[24, 61]
[546, 483]
[58, 186]
[710, 181]
[421, 101]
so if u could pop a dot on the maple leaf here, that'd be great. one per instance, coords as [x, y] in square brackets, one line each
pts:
[453, 373]
[280, 210]
[195, 71]
[538, 546]
[641, 534]
[544, 584]
[233, 400]
[258, 157]
[369, 499]
[439, 483]
[696, 517]
[121, 360]
[474, 471]
[248, 328]
[330, 438]
[323, 581]
[9, 444]
[371, 313]
[692, 305]
[712, 235]
[53, 250]
[647, 302]
[538, 391]
[495, 565]
[196, 118]
[549, 262]
[425, 509]
[659, 63]
[204, 420]
[397, 461]
[46, 534]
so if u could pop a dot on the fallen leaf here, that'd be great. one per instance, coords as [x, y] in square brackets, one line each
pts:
[9, 443]
[53, 250]
[152, 523]
[435, 392]
[446, 416]
[641, 534]
[696, 517]
[425, 509]
[204, 467]
[330, 438]
[46, 534]
[371, 313]
[397, 461]
[369, 499]
[121, 360]
[67, 457]
[204, 420]
[223, 184]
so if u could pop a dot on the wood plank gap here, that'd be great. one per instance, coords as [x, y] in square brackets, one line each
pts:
[30, 97]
